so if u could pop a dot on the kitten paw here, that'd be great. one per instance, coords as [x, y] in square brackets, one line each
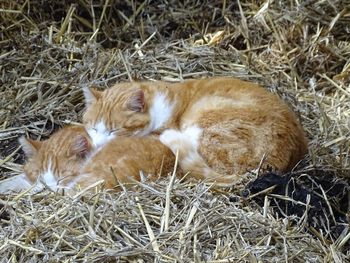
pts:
[185, 140]
[170, 138]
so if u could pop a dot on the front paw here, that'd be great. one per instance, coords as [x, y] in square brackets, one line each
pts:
[170, 138]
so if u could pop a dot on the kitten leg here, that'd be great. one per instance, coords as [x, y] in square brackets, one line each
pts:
[185, 143]
[15, 183]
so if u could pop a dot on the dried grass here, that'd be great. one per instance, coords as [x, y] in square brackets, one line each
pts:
[298, 49]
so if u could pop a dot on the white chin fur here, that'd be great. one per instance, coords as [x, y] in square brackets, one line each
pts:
[100, 135]
[48, 178]
[160, 113]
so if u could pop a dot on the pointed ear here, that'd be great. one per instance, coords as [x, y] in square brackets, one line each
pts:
[29, 146]
[136, 102]
[81, 146]
[91, 95]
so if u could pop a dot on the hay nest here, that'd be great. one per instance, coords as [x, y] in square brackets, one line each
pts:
[298, 49]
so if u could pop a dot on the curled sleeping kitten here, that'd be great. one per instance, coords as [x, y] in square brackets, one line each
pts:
[67, 159]
[221, 127]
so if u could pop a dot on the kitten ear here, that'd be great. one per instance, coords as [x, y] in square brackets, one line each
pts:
[81, 146]
[29, 146]
[91, 95]
[136, 102]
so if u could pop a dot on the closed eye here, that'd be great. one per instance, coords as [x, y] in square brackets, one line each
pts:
[113, 131]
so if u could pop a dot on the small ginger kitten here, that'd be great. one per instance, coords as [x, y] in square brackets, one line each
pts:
[67, 159]
[220, 127]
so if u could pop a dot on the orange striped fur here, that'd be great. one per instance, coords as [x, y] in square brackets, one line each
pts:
[221, 127]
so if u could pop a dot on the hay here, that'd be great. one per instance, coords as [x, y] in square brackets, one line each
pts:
[98, 228]
[298, 49]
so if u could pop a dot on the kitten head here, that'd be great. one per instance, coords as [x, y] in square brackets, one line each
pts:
[58, 158]
[119, 111]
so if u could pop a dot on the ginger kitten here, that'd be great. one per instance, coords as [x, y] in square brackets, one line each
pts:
[67, 159]
[221, 127]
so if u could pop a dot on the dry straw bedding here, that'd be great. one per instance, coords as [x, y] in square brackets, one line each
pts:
[49, 49]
